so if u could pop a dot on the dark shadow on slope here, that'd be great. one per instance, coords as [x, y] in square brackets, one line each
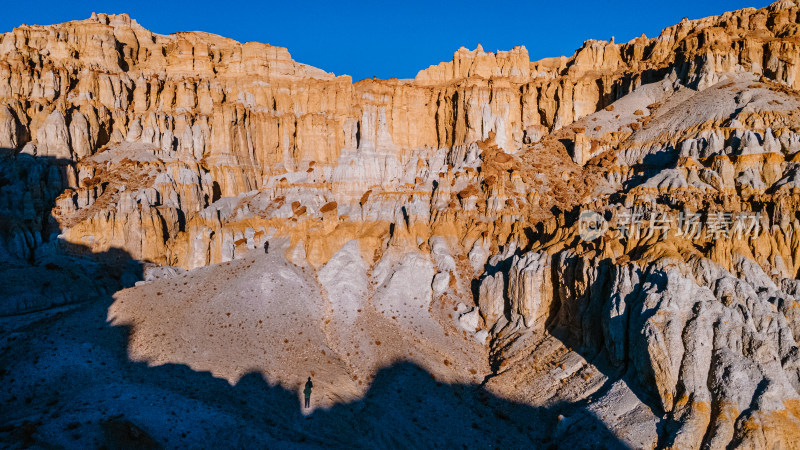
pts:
[404, 407]
[39, 269]
[66, 378]
[580, 315]
[583, 320]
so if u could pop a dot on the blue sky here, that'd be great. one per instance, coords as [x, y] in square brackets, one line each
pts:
[365, 39]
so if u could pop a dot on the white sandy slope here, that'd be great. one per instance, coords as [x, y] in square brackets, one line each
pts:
[217, 357]
[264, 314]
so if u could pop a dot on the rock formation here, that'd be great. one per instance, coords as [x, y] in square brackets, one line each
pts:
[440, 215]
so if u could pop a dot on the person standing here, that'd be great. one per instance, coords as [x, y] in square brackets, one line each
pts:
[307, 392]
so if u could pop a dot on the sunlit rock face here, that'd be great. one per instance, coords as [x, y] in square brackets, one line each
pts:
[439, 215]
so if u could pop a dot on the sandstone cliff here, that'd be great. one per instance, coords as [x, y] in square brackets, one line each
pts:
[465, 183]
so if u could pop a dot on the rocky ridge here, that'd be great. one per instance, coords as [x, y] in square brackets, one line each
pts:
[192, 150]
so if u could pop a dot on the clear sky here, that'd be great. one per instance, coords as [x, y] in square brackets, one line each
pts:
[375, 38]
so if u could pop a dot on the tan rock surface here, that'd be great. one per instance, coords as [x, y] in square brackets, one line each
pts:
[437, 215]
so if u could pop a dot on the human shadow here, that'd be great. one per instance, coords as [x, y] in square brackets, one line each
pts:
[67, 378]
[87, 382]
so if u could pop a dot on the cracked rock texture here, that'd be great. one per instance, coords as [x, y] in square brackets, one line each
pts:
[433, 220]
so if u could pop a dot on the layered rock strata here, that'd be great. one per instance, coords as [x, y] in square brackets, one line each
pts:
[191, 150]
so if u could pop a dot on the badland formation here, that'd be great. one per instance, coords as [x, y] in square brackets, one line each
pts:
[428, 260]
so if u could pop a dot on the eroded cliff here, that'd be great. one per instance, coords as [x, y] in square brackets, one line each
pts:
[464, 187]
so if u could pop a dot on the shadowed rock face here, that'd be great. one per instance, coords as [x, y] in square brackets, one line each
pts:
[434, 220]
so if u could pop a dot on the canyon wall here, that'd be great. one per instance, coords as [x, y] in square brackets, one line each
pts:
[227, 118]
[191, 149]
